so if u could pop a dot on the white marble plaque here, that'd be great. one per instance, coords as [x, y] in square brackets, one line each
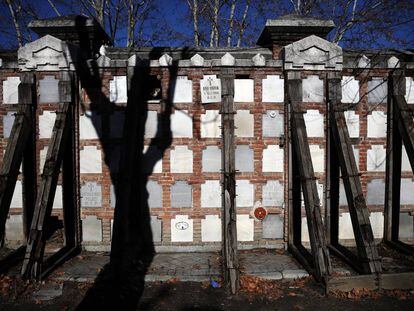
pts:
[156, 228]
[154, 194]
[210, 124]
[211, 194]
[314, 123]
[91, 195]
[181, 160]
[152, 159]
[273, 227]
[91, 229]
[181, 195]
[11, 90]
[245, 228]
[181, 124]
[90, 160]
[46, 123]
[151, 124]
[350, 90]
[8, 121]
[375, 192]
[211, 229]
[376, 158]
[118, 92]
[244, 193]
[377, 124]
[244, 123]
[210, 88]
[273, 193]
[117, 124]
[407, 191]
[377, 91]
[243, 90]
[90, 125]
[181, 229]
[352, 122]
[58, 200]
[377, 224]
[14, 228]
[272, 159]
[17, 199]
[305, 230]
[244, 159]
[405, 162]
[211, 161]
[273, 89]
[409, 90]
[182, 90]
[273, 123]
[346, 230]
[312, 88]
[49, 90]
[406, 226]
[318, 158]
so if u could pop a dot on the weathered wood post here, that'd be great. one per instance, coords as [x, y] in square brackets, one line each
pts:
[230, 256]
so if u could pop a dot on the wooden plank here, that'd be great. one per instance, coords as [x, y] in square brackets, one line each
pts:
[348, 283]
[302, 159]
[231, 264]
[402, 280]
[364, 237]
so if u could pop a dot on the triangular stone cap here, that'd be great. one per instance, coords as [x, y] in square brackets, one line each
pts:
[228, 60]
[197, 60]
[364, 62]
[393, 62]
[259, 60]
[103, 61]
[134, 60]
[165, 60]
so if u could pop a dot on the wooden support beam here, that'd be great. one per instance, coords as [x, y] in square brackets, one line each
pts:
[230, 256]
[364, 237]
[302, 160]
[18, 145]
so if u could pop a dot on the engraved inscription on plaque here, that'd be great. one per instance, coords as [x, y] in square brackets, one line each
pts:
[91, 195]
[210, 89]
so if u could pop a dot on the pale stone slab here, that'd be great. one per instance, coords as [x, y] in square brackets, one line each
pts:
[58, 200]
[405, 162]
[305, 230]
[409, 90]
[112, 196]
[165, 60]
[14, 228]
[197, 60]
[181, 124]
[49, 90]
[90, 160]
[181, 229]
[151, 124]
[393, 62]
[17, 199]
[154, 194]
[406, 226]
[342, 194]
[243, 90]
[245, 228]
[364, 62]
[244, 193]
[181, 160]
[273, 159]
[210, 124]
[156, 228]
[8, 121]
[259, 60]
[312, 88]
[407, 191]
[318, 158]
[181, 195]
[46, 123]
[244, 159]
[356, 154]
[118, 90]
[244, 123]
[91, 229]
[346, 230]
[376, 158]
[314, 123]
[377, 91]
[211, 194]
[210, 88]
[11, 90]
[91, 195]
[211, 229]
[377, 224]
[273, 123]
[273, 227]
[211, 161]
[350, 90]
[375, 192]
[273, 89]
[228, 60]
[377, 124]
[352, 122]
[273, 193]
[182, 90]
[117, 120]
[90, 125]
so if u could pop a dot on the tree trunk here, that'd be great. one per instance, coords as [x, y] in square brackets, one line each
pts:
[16, 23]
[231, 21]
[243, 23]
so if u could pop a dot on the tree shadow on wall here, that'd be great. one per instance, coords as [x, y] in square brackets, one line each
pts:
[121, 282]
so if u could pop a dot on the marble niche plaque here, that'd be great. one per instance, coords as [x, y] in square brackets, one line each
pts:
[211, 161]
[244, 193]
[244, 123]
[406, 226]
[181, 160]
[154, 194]
[210, 88]
[90, 125]
[91, 195]
[407, 191]
[273, 193]
[90, 160]
[152, 159]
[409, 90]
[318, 158]
[352, 122]
[182, 90]
[312, 88]
[112, 196]
[118, 90]
[58, 200]
[243, 90]
[156, 228]
[49, 90]
[91, 229]
[14, 228]
[375, 192]
[350, 90]
[273, 123]
[181, 195]
[181, 124]
[376, 158]
[244, 158]
[273, 89]
[405, 162]
[377, 124]
[273, 227]
[377, 91]
[245, 228]
[11, 90]
[377, 224]
[181, 229]
[346, 230]
[151, 124]
[17, 199]
[8, 121]
[211, 229]
[46, 123]
[272, 159]
[211, 194]
[314, 123]
[211, 124]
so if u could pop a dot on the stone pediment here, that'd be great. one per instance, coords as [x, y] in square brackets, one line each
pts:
[313, 53]
[47, 54]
